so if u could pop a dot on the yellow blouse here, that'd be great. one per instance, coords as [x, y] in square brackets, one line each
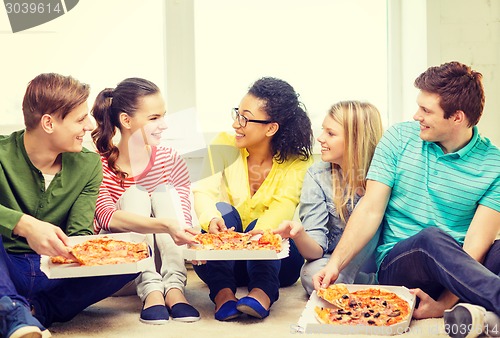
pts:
[225, 179]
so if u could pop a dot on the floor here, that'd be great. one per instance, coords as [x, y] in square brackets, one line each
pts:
[119, 317]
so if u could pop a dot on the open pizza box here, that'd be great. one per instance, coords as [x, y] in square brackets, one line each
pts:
[309, 324]
[235, 255]
[75, 270]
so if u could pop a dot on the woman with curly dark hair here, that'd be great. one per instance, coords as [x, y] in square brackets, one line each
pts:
[253, 182]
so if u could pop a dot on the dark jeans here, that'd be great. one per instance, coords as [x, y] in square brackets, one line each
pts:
[268, 275]
[433, 261]
[54, 300]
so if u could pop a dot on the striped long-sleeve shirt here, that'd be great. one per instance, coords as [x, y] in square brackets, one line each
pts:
[165, 167]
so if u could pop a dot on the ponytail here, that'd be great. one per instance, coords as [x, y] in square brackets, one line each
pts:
[103, 134]
[108, 106]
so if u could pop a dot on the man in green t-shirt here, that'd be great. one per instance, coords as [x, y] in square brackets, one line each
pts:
[49, 185]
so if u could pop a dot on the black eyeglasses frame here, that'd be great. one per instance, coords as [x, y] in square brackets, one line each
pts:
[237, 116]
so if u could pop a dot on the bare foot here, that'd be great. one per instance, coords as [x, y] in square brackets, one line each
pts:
[174, 296]
[261, 297]
[154, 298]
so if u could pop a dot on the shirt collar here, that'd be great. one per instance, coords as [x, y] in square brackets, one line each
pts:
[462, 151]
[475, 135]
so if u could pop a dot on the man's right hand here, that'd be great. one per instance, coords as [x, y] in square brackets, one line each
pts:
[44, 238]
[184, 236]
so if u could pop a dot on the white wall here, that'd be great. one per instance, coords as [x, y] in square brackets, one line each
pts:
[97, 42]
[469, 31]
[328, 50]
[407, 55]
[102, 42]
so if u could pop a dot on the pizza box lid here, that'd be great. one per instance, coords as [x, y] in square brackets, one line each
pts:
[309, 324]
[235, 255]
[75, 270]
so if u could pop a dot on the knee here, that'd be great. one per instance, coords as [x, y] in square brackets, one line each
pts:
[431, 234]
[224, 207]
[432, 237]
[306, 278]
[309, 269]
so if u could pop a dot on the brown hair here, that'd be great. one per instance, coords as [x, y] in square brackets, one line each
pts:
[52, 94]
[108, 106]
[458, 87]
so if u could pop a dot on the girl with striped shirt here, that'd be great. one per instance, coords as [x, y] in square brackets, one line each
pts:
[145, 189]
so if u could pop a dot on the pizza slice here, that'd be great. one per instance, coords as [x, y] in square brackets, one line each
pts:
[105, 250]
[270, 241]
[336, 294]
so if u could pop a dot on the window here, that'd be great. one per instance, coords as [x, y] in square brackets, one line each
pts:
[328, 50]
[97, 42]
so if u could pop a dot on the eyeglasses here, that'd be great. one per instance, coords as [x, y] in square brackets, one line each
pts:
[242, 120]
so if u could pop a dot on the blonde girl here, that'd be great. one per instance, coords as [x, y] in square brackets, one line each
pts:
[333, 187]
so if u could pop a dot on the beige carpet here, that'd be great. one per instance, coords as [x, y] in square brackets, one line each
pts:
[119, 317]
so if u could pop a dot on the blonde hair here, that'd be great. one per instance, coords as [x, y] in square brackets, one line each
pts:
[362, 130]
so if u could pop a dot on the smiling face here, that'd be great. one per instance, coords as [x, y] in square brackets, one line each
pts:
[433, 126]
[332, 141]
[148, 122]
[68, 133]
[253, 134]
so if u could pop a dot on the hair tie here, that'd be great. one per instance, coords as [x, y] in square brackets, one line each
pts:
[109, 93]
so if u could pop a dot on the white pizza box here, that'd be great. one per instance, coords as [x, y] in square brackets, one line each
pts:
[75, 270]
[309, 324]
[237, 255]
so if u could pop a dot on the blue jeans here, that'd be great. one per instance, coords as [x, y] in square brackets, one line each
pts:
[268, 275]
[433, 261]
[54, 300]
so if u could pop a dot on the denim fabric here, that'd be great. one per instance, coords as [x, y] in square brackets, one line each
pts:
[7, 287]
[323, 224]
[268, 275]
[433, 261]
[317, 211]
[54, 300]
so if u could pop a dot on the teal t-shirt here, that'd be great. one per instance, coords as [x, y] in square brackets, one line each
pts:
[431, 188]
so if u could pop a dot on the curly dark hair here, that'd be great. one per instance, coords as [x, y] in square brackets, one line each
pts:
[458, 87]
[294, 137]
